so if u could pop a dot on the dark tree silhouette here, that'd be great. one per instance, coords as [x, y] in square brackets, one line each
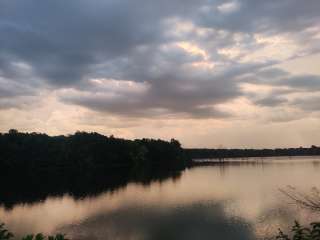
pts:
[299, 232]
[83, 152]
[6, 235]
[35, 165]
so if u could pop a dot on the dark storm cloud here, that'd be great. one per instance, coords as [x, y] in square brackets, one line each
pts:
[63, 44]
[9, 89]
[279, 78]
[262, 16]
[164, 97]
[308, 83]
[271, 101]
[271, 73]
[183, 91]
[308, 104]
[275, 98]
[62, 40]
[301, 92]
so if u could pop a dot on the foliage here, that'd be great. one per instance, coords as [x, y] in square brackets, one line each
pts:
[80, 163]
[302, 233]
[40, 236]
[30, 154]
[6, 235]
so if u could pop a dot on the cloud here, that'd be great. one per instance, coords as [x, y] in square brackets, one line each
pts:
[310, 104]
[229, 7]
[189, 100]
[290, 97]
[308, 83]
[261, 16]
[271, 101]
[178, 58]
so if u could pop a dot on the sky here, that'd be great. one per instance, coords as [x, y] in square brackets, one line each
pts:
[210, 73]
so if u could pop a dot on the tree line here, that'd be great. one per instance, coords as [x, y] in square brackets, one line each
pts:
[246, 153]
[82, 152]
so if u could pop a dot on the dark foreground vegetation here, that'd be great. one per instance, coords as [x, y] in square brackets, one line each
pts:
[246, 153]
[299, 232]
[34, 165]
[7, 235]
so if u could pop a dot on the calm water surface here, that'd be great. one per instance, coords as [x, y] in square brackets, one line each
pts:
[235, 201]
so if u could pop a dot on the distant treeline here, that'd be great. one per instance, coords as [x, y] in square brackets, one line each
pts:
[85, 153]
[245, 153]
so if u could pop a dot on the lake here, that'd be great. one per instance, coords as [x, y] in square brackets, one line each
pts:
[238, 200]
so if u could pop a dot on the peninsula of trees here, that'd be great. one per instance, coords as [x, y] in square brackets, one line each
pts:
[84, 153]
[36, 166]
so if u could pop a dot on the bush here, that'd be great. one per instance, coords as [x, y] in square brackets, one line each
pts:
[302, 233]
[6, 235]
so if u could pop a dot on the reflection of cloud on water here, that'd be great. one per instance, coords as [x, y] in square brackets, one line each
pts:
[190, 222]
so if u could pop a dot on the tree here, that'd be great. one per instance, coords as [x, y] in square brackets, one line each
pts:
[310, 200]
[13, 132]
[6, 235]
[299, 232]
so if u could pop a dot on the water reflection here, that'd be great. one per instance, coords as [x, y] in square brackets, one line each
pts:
[39, 188]
[196, 221]
[241, 201]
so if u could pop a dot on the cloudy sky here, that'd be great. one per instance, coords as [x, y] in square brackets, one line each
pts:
[239, 73]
